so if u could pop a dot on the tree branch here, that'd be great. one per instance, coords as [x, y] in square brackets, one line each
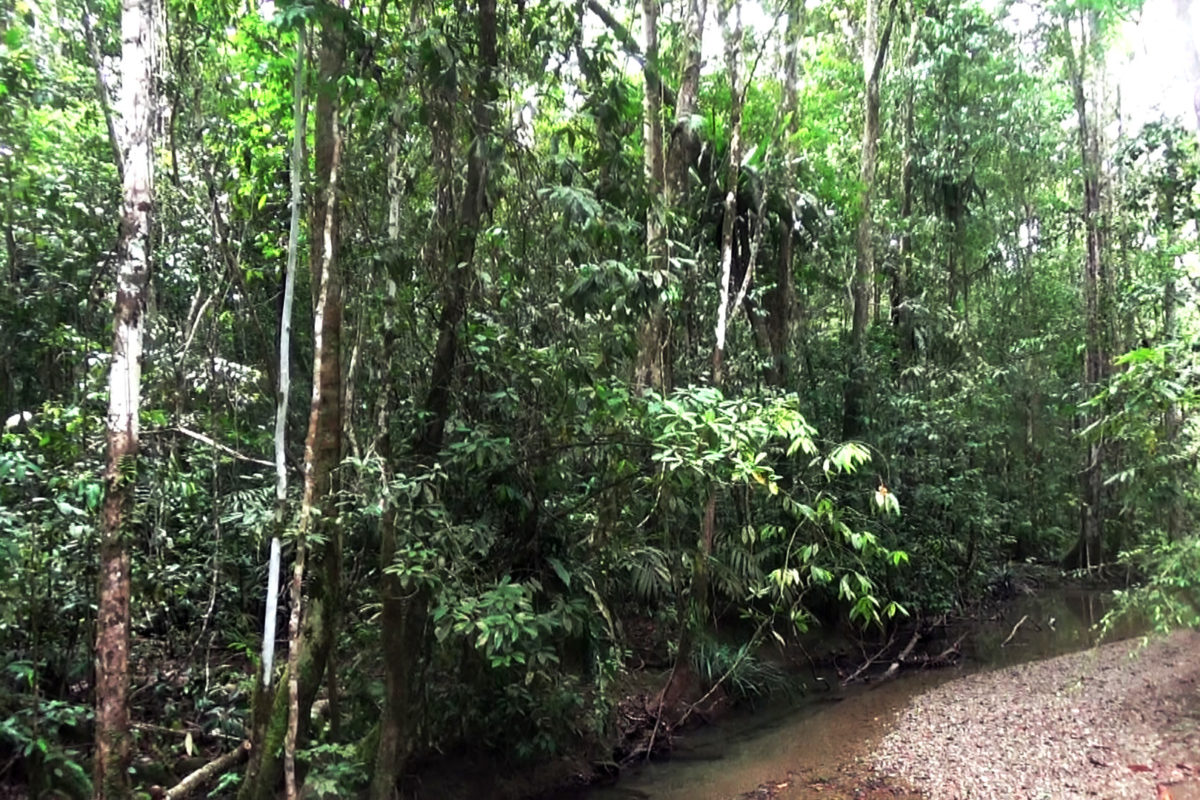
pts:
[881, 53]
[1016, 628]
[632, 49]
[102, 97]
[213, 443]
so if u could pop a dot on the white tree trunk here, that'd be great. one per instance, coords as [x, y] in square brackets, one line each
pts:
[733, 49]
[285, 344]
[124, 400]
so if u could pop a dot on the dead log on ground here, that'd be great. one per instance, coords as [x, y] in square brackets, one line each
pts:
[189, 785]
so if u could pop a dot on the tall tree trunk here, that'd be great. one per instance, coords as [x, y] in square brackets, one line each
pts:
[684, 146]
[697, 608]
[402, 617]
[683, 153]
[111, 775]
[780, 300]
[733, 47]
[1090, 549]
[404, 613]
[300, 113]
[1172, 417]
[457, 239]
[263, 705]
[653, 367]
[311, 629]
[873, 57]
[901, 316]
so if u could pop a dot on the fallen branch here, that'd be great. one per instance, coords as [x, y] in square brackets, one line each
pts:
[944, 656]
[189, 785]
[1014, 630]
[858, 672]
[658, 720]
[900, 659]
[745, 651]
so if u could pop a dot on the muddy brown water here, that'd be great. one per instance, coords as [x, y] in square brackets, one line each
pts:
[797, 746]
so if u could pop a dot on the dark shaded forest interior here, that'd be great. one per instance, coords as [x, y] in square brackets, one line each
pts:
[390, 385]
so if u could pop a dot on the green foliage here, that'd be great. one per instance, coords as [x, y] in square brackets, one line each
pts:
[1170, 596]
[744, 674]
[565, 503]
[794, 538]
[334, 770]
[35, 733]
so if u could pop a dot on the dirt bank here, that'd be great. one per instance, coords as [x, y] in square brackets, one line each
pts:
[1117, 721]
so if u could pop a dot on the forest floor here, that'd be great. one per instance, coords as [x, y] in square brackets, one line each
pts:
[1117, 721]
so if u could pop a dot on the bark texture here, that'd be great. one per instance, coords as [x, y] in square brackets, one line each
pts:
[110, 772]
[285, 345]
[262, 706]
[901, 313]
[733, 47]
[312, 625]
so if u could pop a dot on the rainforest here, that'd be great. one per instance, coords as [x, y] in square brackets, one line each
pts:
[596, 398]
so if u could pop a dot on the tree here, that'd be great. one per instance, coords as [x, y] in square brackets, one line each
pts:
[1089, 551]
[313, 617]
[285, 346]
[733, 47]
[653, 367]
[263, 708]
[403, 607]
[780, 300]
[901, 314]
[874, 55]
[453, 247]
[697, 614]
[1183, 12]
[323, 446]
[137, 103]
[450, 252]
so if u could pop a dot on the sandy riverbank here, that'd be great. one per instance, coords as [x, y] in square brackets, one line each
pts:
[1117, 721]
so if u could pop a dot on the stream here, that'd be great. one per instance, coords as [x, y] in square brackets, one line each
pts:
[824, 734]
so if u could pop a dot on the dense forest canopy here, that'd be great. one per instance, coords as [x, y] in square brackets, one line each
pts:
[466, 342]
